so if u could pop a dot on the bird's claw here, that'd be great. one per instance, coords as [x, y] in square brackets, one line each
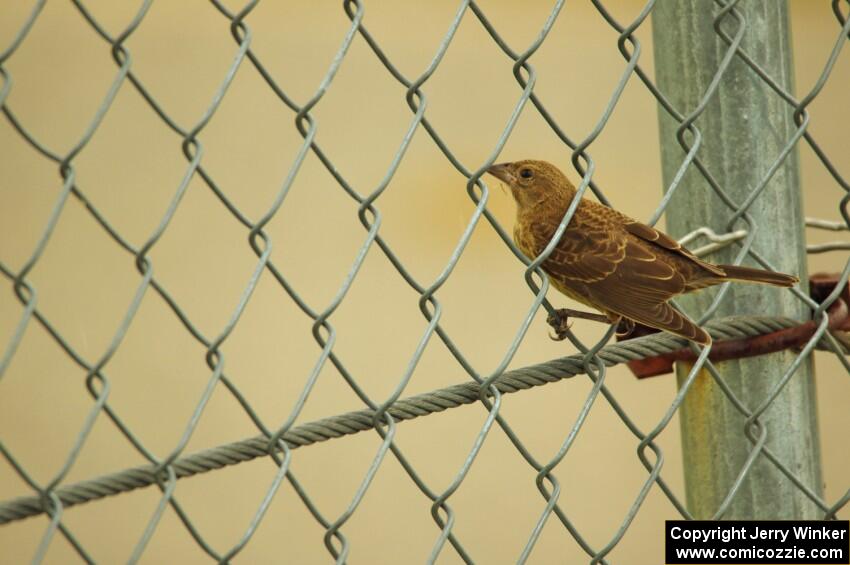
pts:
[625, 327]
[560, 322]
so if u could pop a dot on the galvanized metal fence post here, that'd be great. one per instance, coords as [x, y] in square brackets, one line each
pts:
[744, 128]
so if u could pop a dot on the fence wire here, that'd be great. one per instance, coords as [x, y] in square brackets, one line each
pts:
[383, 414]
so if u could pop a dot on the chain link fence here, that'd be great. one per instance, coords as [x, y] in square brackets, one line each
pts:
[55, 496]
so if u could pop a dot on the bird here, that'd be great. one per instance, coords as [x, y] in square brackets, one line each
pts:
[608, 261]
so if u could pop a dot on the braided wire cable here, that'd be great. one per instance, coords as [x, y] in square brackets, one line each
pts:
[402, 410]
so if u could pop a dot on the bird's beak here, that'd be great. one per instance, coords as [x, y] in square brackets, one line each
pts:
[503, 172]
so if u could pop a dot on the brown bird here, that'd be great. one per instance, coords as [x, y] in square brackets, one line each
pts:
[608, 261]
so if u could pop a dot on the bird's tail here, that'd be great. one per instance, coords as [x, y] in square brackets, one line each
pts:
[747, 274]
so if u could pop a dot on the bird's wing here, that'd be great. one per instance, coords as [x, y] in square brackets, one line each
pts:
[660, 315]
[663, 240]
[583, 255]
[640, 293]
[623, 275]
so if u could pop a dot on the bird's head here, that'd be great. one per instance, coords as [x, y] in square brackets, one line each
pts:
[534, 183]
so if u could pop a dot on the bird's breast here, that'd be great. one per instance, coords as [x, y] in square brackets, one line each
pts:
[524, 240]
[531, 242]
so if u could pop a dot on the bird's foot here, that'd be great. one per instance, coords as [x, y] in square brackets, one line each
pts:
[625, 327]
[559, 320]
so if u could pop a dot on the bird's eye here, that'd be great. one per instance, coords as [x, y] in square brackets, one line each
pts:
[526, 173]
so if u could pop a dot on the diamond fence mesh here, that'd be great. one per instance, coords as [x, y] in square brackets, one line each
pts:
[52, 492]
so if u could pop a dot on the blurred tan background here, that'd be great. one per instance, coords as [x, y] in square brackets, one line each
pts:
[131, 169]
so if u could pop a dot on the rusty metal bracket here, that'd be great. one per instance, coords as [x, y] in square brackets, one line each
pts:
[820, 286]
